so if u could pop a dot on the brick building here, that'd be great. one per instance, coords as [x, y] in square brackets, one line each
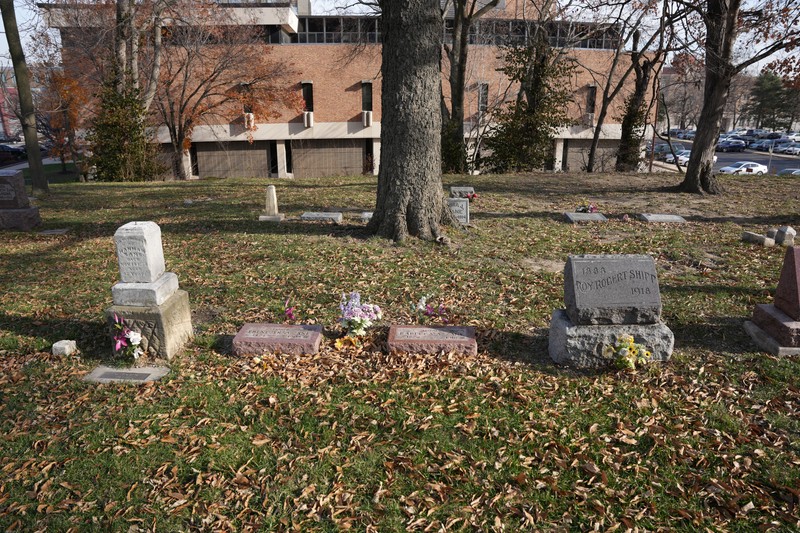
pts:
[337, 59]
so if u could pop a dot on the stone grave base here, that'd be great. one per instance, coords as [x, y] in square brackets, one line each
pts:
[777, 324]
[21, 219]
[165, 328]
[765, 341]
[145, 294]
[582, 346]
[260, 339]
[433, 339]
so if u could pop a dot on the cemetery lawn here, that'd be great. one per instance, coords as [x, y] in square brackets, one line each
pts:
[358, 438]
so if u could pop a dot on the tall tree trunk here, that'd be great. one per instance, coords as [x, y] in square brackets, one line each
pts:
[721, 28]
[410, 200]
[630, 139]
[458, 77]
[22, 75]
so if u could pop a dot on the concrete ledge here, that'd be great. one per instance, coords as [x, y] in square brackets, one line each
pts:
[582, 346]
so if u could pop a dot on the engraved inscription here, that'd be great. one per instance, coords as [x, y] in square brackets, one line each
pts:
[7, 192]
[619, 277]
[134, 376]
[460, 209]
[272, 332]
[453, 333]
[132, 260]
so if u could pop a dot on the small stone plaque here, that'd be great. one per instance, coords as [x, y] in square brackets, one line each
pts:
[611, 289]
[652, 217]
[12, 190]
[366, 216]
[460, 209]
[58, 231]
[321, 216]
[139, 252]
[104, 374]
[258, 339]
[575, 218]
[461, 192]
[433, 339]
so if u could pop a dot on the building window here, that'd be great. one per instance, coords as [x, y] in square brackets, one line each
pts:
[591, 96]
[366, 95]
[308, 95]
[483, 97]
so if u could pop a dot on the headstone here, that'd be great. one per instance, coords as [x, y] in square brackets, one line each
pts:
[611, 289]
[322, 216]
[366, 216]
[139, 252]
[105, 374]
[15, 208]
[65, 348]
[785, 236]
[607, 296]
[576, 218]
[147, 298]
[749, 236]
[772, 233]
[259, 339]
[461, 192]
[57, 231]
[653, 217]
[460, 209]
[776, 327]
[271, 208]
[433, 339]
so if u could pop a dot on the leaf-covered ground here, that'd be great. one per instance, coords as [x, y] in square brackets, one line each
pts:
[363, 439]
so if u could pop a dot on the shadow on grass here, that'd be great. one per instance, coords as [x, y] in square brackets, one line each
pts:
[91, 336]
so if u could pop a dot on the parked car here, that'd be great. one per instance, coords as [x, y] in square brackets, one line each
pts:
[661, 150]
[789, 172]
[748, 139]
[687, 135]
[671, 159]
[784, 148]
[11, 154]
[792, 149]
[683, 159]
[731, 145]
[744, 167]
[793, 136]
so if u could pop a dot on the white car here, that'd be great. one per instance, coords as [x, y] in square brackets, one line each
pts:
[745, 167]
[683, 159]
[792, 149]
[671, 159]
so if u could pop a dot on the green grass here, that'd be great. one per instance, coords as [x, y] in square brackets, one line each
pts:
[364, 439]
[55, 173]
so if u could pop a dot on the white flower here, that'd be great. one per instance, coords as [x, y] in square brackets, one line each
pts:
[137, 352]
[422, 303]
[135, 337]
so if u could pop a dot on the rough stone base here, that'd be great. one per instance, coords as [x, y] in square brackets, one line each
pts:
[164, 328]
[765, 341]
[778, 325]
[21, 219]
[582, 346]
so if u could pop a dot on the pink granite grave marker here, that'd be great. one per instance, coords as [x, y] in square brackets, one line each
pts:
[258, 339]
[433, 339]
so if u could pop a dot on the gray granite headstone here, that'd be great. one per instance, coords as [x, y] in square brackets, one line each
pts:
[575, 218]
[12, 190]
[322, 216]
[611, 289]
[460, 209]
[654, 217]
[461, 192]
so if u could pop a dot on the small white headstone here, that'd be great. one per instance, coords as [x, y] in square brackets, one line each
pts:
[139, 252]
[785, 236]
[366, 216]
[271, 208]
[585, 217]
[65, 348]
[653, 217]
[460, 209]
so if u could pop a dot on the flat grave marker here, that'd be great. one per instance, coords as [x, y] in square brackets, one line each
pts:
[322, 216]
[105, 374]
[460, 209]
[575, 218]
[262, 338]
[654, 217]
[433, 339]
[461, 192]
